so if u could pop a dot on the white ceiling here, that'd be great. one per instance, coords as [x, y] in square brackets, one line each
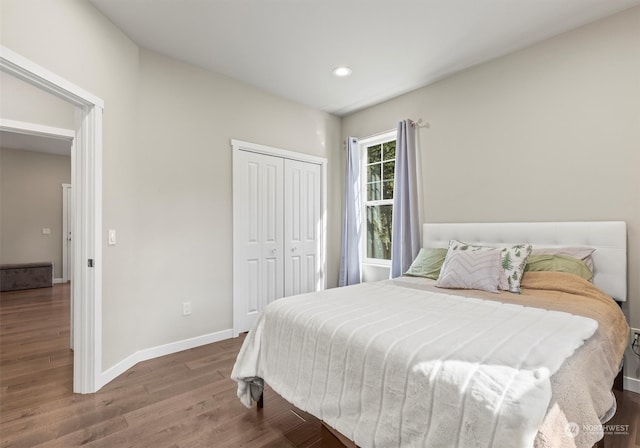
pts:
[52, 145]
[289, 47]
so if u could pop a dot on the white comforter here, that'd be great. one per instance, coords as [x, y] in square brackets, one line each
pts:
[389, 366]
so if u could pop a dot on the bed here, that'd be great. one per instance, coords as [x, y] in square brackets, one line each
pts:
[405, 362]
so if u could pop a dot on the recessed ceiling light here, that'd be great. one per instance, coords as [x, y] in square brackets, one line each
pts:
[342, 71]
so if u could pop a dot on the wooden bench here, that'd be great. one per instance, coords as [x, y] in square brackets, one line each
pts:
[14, 277]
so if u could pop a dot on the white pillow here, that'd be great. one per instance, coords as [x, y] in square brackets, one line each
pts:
[471, 269]
[514, 260]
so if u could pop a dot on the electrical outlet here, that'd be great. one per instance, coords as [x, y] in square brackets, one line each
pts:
[186, 308]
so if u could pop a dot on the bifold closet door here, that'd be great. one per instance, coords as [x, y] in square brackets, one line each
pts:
[258, 197]
[302, 227]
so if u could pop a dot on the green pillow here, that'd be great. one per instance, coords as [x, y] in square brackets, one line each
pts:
[559, 263]
[427, 263]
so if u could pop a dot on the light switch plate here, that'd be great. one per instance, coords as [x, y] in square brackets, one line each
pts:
[112, 237]
[46, 231]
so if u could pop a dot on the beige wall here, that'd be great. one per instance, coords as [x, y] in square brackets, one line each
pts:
[17, 100]
[563, 113]
[76, 42]
[187, 117]
[166, 169]
[30, 200]
[550, 133]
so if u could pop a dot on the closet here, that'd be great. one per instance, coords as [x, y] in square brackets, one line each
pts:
[278, 227]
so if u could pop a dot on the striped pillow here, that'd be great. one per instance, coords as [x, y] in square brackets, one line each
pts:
[465, 269]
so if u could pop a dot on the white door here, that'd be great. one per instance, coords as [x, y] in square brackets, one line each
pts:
[258, 276]
[302, 227]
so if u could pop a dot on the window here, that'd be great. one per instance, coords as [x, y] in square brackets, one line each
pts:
[378, 173]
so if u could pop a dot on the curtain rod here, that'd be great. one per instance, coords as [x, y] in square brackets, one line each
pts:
[421, 124]
[418, 123]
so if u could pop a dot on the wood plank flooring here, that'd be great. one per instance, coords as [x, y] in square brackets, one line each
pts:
[184, 400]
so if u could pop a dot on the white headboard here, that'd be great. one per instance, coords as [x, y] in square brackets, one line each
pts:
[609, 238]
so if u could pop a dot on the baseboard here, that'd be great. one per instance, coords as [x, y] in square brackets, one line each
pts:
[632, 384]
[161, 350]
[58, 280]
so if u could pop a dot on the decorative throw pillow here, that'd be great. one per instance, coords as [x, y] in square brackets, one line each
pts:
[581, 253]
[514, 260]
[427, 263]
[558, 263]
[503, 283]
[471, 269]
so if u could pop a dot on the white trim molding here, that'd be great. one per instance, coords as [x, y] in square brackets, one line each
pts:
[632, 384]
[27, 70]
[86, 177]
[23, 127]
[67, 221]
[161, 350]
[272, 151]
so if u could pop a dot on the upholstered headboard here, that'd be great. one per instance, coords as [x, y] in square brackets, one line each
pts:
[608, 238]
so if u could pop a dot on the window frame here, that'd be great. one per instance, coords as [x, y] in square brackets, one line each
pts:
[363, 144]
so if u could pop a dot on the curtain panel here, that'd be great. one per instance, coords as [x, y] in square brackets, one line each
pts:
[351, 226]
[405, 241]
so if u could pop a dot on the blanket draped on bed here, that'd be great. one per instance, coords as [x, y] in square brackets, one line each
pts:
[389, 366]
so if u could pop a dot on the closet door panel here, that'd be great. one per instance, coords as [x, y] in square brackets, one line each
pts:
[312, 274]
[258, 275]
[302, 222]
[271, 221]
[253, 279]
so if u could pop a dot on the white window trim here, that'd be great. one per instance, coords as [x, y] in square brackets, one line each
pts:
[382, 137]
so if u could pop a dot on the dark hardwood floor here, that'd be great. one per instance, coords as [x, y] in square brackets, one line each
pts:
[184, 400]
[181, 400]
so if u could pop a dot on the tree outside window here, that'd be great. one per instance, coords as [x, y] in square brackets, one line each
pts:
[379, 172]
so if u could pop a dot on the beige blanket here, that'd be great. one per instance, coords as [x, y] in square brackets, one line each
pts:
[582, 397]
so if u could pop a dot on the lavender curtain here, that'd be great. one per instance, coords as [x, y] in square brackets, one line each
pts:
[405, 239]
[350, 254]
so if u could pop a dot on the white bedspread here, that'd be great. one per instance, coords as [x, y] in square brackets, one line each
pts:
[389, 366]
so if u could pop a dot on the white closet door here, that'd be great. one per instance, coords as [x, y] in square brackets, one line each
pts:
[302, 227]
[258, 229]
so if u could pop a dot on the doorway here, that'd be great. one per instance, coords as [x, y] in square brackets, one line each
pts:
[86, 175]
[34, 160]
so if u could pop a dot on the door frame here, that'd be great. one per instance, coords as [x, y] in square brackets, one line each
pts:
[66, 228]
[67, 223]
[239, 145]
[86, 177]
